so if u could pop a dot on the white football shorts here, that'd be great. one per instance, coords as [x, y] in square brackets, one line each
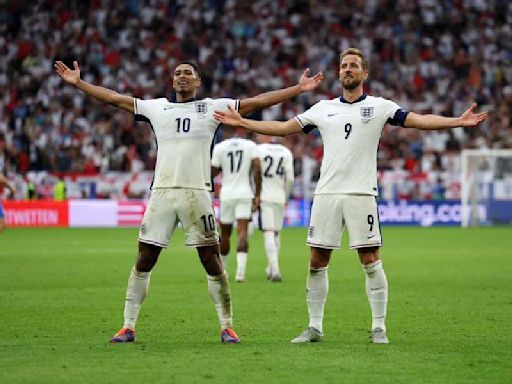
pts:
[192, 207]
[234, 209]
[330, 214]
[271, 216]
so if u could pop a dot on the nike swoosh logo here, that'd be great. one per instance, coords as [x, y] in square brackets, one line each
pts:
[371, 236]
[166, 108]
[332, 114]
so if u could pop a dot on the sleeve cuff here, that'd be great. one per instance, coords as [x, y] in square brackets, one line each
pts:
[399, 118]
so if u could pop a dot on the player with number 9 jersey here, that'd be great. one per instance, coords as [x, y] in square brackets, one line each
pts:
[350, 134]
[350, 126]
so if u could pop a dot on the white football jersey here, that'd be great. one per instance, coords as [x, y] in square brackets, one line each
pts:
[350, 134]
[234, 157]
[276, 171]
[184, 135]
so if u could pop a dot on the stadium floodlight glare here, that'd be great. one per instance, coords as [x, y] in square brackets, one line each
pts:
[486, 183]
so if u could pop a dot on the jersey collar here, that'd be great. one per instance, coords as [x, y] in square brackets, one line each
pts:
[175, 100]
[361, 98]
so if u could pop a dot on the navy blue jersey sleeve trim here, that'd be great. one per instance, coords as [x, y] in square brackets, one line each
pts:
[142, 118]
[399, 118]
[308, 128]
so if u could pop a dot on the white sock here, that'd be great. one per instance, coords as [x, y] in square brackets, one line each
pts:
[218, 287]
[317, 289]
[278, 242]
[138, 284]
[377, 293]
[241, 262]
[224, 261]
[271, 251]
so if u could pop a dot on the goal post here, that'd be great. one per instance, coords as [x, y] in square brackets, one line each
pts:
[486, 187]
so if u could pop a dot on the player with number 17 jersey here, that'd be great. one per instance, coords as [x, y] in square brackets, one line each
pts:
[233, 156]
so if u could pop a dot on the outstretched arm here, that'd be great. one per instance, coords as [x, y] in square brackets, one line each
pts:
[272, 128]
[275, 97]
[430, 122]
[72, 76]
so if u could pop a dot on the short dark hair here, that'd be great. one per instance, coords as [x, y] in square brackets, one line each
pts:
[357, 52]
[194, 65]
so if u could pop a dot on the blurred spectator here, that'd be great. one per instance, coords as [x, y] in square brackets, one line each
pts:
[59, 190]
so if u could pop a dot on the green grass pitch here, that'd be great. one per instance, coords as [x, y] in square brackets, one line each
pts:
[62, 296]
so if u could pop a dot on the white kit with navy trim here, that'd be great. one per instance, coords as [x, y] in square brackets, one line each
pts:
[184, 133]
[350, 134]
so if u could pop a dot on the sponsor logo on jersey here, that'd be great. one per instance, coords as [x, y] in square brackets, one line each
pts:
[201, 108]
[366, 114]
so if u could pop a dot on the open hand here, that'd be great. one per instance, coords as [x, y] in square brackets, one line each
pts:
[229, 117]
[470, 119]
[71, 76]
[310, 83]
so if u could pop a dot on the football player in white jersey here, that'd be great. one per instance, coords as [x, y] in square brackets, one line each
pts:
[350, 126]
[184, 132]
[274, 170]
[233, 157]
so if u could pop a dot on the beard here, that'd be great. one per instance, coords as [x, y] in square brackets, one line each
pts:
[350, 84]
[182, 89]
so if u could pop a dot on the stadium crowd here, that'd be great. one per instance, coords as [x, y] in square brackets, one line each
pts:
[428, 55]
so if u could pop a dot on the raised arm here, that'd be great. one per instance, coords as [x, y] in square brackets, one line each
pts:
[72, 76]
[256, 174]
[267, 99]
[272, 128]
[431, 122]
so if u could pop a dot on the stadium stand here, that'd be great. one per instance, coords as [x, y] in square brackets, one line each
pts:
[430, 56]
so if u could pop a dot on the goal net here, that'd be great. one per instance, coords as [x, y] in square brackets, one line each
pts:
[486, 195]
